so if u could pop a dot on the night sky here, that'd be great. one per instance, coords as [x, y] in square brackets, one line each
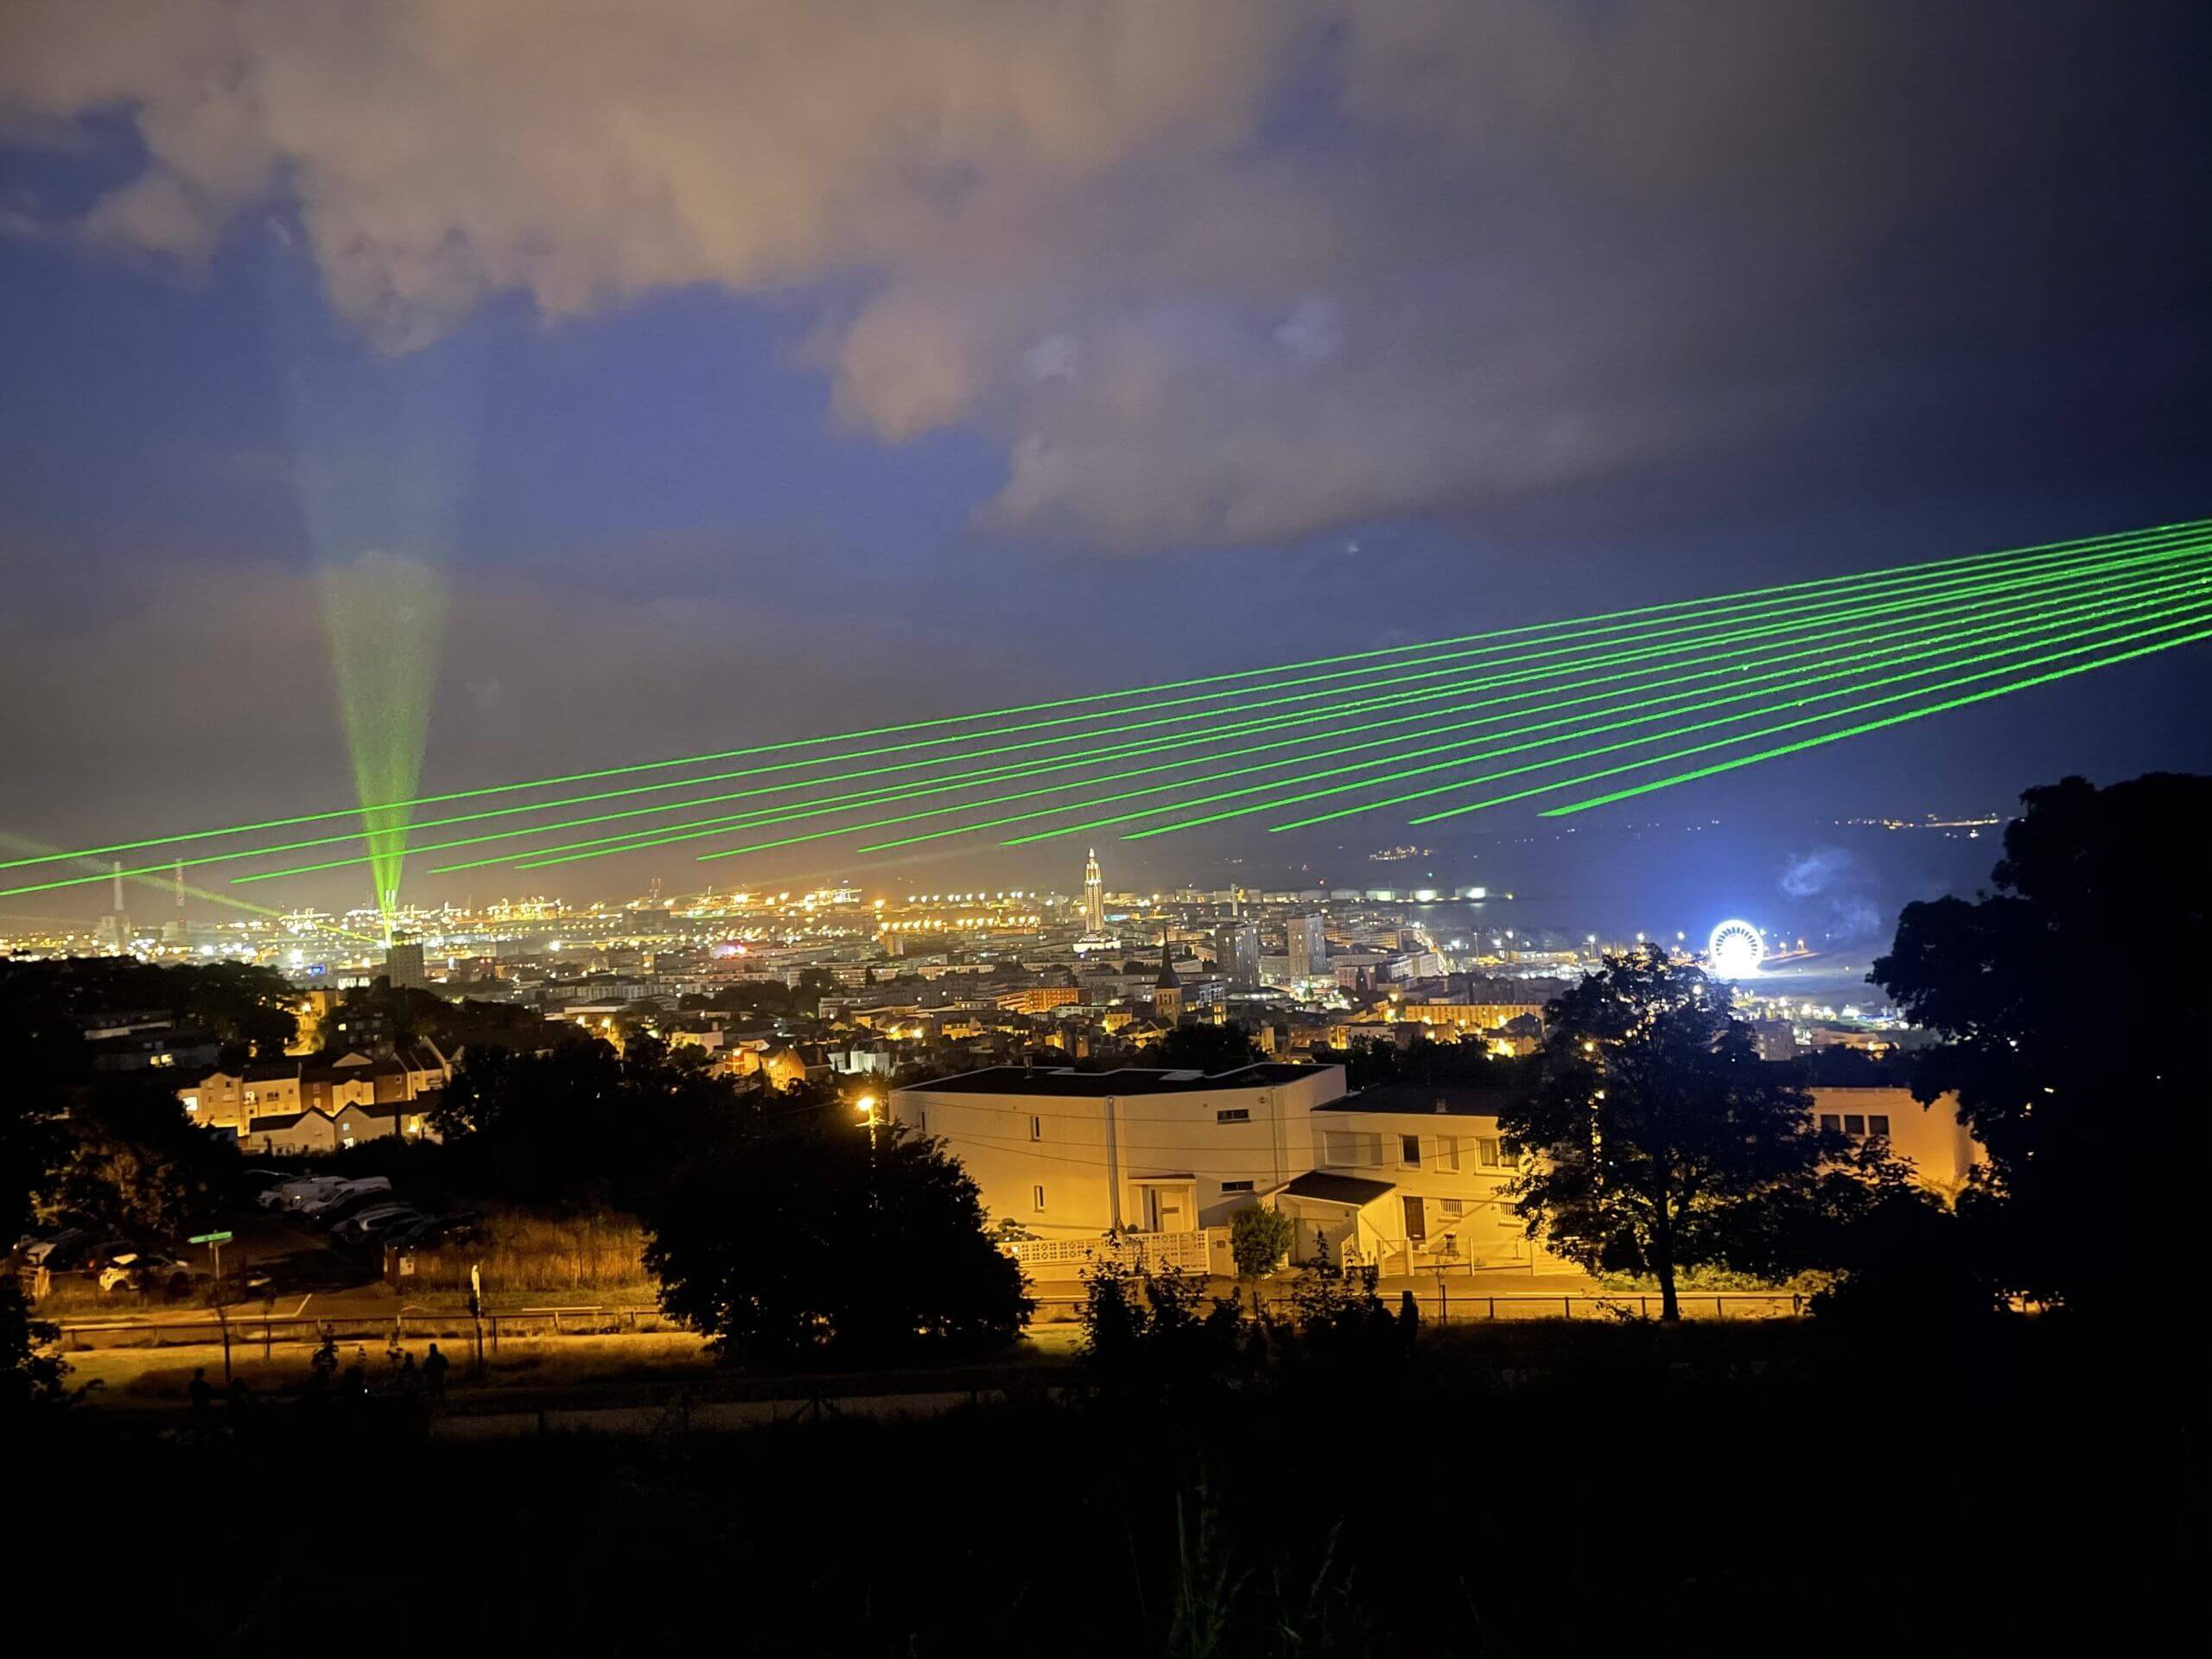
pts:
[748, 370]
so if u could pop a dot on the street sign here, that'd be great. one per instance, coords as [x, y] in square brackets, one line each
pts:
[209, 1238]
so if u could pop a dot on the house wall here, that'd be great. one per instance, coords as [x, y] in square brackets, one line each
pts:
[1089, 1154]
[1938, 1144]
[1458, 1162]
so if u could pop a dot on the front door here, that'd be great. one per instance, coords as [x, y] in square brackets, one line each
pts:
[1416, 1221]
[1163, 1210]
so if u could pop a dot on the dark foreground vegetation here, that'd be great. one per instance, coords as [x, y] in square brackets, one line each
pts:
[1530, 1489]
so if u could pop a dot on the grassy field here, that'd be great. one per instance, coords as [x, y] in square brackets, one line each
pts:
[596, 1367]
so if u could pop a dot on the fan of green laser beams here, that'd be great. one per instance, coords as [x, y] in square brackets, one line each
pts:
[1057, 788]
[1860, 730]
[1857, 730]
[636, 839]
[1002, 772]
[1933, 567]
[2040, 570]
[639, 839]
[1858, 663]
[1692, 638]
[1465, 760]
[1458, 755]
[164, 868]
[2192, 615]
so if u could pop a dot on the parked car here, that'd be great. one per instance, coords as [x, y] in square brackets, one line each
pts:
[143, 1269]
[367, 1224]
[351, 1204]
[59, 1251]
[327, 1204]
[292, 1194]
[431, 1231]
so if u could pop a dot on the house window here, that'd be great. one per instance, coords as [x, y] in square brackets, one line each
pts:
[1879, 1124]
[1236, 1186]
[1488, 1152]
[1854, 1124]
[1409, 1151]
[1831, 1122]
[1447, 1150]
[1036, 1133]
[1233, 1115]
[1451, 1206]
[1037, 1197]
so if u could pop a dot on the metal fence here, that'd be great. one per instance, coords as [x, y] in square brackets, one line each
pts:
[1450, 1304]
[265, 1331]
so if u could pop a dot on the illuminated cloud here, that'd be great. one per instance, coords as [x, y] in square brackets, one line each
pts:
[1236, 271]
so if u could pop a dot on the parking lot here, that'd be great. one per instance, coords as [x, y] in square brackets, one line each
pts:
[286, 1235]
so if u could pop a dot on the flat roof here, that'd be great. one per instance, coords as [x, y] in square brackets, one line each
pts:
[1450, 1100]
[1354, 1190]
[1124, 1080]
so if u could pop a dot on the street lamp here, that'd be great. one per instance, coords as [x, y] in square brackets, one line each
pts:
[866, 1105]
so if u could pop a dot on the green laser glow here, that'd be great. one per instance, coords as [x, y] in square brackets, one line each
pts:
[1740, 737]
[2059, 577]
[1839, 713]
[1929, 569]
[1860, 660]
[641, 841]
[384, 618]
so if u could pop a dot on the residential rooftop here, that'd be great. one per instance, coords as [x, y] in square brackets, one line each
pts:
[1124, 1080]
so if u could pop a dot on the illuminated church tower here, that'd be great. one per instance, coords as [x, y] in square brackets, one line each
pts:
[1093, 897]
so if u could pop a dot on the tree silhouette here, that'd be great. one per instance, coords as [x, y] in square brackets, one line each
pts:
[822, 1238]
[2096, 1136]
[1661, 1141]
[1205, 1048]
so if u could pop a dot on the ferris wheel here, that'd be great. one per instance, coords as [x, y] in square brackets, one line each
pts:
[1735, 950]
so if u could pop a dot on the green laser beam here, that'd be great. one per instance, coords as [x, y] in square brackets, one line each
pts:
[1924, 568]
[1458, 754]
[1740, 737]
[1886, 652]
[639, 841]
[1860, 730]
[2060, 576]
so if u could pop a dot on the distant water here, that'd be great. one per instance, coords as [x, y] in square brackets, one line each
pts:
[1838, 888]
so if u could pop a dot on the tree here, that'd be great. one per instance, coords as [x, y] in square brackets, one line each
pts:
[2096, 1134]
[817, 1237]
[1153, 1330]
[582, 1124]
[1259, 1238]
[133, 1160]
[1206, 1048]
[1661, 1141]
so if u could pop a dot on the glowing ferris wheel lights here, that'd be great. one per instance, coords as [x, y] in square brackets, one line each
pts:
[1735, 950]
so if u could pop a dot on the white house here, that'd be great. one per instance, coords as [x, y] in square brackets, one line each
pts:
[1071, 1155]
